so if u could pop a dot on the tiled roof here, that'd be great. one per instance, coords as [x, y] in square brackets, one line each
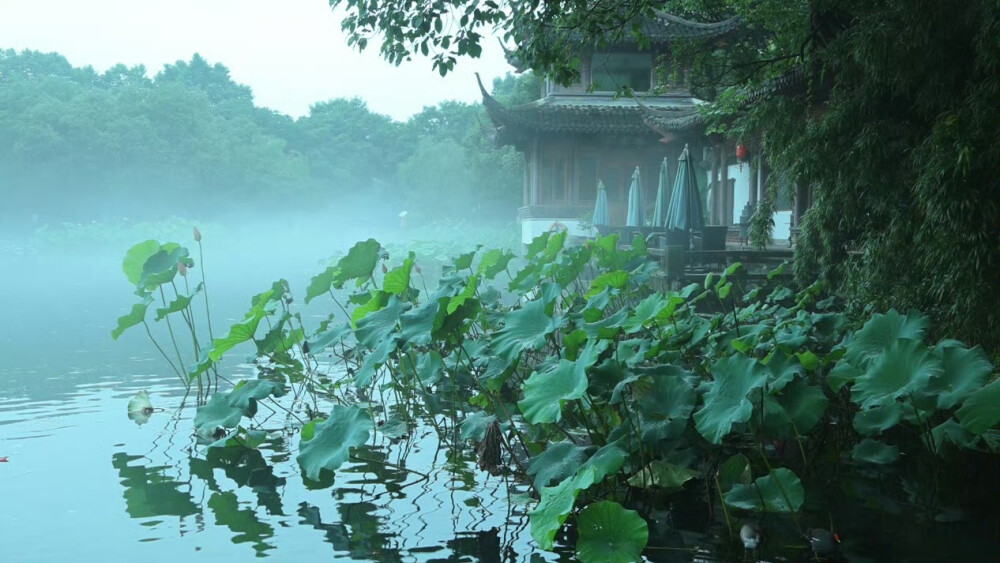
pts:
[597, 114]
[662, 28]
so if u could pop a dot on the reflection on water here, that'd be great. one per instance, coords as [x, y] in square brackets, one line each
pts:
[410, 499]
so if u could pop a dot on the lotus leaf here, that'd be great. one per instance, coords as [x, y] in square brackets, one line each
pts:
[735, 470]
[964, 371]
[663, 475]
[555, 505]
[545, 391]
[359, 263]
[558, 461]
[345, 428]
[873, 451]
[981, 409]
[647, 310]
[605, 461]
[135, 317]
[610, 534]
[726, 401]
[374, 327]
[881, 331]
[136, 257]
[770, 493]
[525, 329]
[906, 366]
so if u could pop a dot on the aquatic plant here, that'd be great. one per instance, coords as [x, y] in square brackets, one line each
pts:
[584, 371]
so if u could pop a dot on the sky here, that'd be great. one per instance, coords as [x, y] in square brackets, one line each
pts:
[292, 53]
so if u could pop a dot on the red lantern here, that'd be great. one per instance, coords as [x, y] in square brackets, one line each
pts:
[741, 155]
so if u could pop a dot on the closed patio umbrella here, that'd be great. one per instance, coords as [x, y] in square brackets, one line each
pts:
[601, 217]
[662, 197]
[684, 213]
[634, 218]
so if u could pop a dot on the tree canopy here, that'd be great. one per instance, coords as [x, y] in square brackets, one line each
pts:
[887, 110]
[77, 144]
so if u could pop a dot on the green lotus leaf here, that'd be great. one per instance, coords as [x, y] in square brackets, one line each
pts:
[873, 451]
[359, 263]
[770, 493]
[545, 391]
[397, 280]
[241, 438]
[881, 331]
[647, 310]
[464, 261]
[842, 374]
[321, 340]
[178, 304]
[605, 461]
[735, 470]
[904, 367]
[161, 267]
[808, 360]
[558, 461]
[784, 368]
[471, 285]
[345, 428]
[140, 402]
[964, 371]
[374, 327]
[375, 359]
[663, 475]
[726, 401]
[804, 405]
[878, 418]
[633, 352]
[136, 257]
[474, 426]
[238, 333]
[609, 533]
[981, 410]
[555, 505]
[493, 262]
[247, 391]
[525, 329]
[320, 284]
[217, 412]
[430, 368]
[608, 328]
[952, 431]
[417, 325]
[134, 317]
[617, 279]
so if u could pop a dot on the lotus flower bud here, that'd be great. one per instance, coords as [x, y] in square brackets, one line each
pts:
[197, 235]
[182, 269]
[416, 268]
[384, 269]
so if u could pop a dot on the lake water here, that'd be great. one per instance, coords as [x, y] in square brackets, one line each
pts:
[84, 483]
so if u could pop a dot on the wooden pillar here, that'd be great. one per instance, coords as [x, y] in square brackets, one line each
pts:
[713, 187]
[725, 203]
[754, 171]
[800, 204]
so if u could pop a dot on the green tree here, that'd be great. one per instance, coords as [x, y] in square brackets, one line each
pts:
[887, 110]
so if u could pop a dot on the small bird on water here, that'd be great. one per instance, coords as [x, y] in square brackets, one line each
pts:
[751, 536]
[823, 542]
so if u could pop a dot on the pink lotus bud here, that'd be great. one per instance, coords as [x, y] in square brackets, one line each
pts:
[416, 268]
[384, 269]
[182, 269]
[197, 235]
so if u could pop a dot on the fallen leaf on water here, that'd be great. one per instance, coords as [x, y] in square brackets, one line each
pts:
[139, 408]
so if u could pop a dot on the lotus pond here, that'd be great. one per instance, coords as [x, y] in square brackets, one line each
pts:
[571, 405]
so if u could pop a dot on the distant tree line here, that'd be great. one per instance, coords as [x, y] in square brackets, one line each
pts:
[79, 144]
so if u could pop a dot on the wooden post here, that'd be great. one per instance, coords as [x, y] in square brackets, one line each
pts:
[725, 204]
[713, 185]
[754, 170]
